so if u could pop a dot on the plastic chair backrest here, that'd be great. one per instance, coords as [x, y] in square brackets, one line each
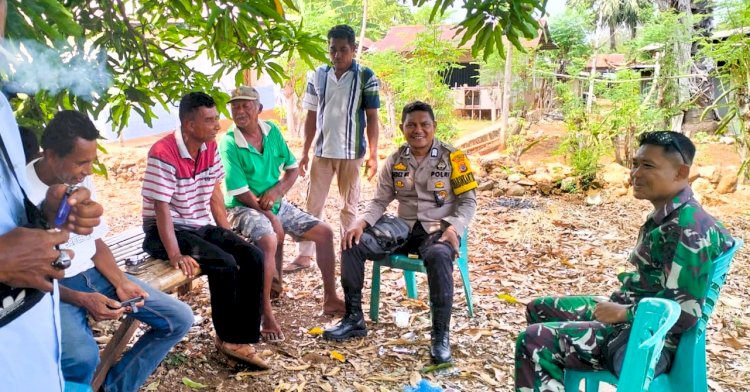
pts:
[689, 368]
[653, 319]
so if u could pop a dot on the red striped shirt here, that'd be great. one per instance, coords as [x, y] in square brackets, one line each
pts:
[174, 177]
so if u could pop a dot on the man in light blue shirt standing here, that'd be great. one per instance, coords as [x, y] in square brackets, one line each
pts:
[29, 299]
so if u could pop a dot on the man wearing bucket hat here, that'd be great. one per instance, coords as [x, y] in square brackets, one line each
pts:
[254, 153]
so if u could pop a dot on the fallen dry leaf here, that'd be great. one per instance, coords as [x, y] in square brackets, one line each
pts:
[338, 356]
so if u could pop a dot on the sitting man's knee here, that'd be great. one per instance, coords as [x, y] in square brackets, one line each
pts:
[321, 233]
[326, 229]
[79, 361]
[532, 308]
[438, 251]
[183, 318]
[268, 242]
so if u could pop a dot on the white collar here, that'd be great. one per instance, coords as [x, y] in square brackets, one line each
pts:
[239, 137]
[184, 153]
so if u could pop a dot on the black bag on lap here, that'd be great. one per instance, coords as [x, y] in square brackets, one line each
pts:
[386, 235]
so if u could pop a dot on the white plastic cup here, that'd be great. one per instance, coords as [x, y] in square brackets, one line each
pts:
[401, 318]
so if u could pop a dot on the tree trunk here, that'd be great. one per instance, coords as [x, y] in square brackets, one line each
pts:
[507, 83]
[683, 62]
[390, 109]
[362, 30]
[613, 37]
[592, 74]
[290, 103]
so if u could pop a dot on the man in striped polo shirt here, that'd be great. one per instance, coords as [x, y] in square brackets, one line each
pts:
[341, 101]
[185, 222]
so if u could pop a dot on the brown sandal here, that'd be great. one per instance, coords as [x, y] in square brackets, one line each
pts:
[253, 359]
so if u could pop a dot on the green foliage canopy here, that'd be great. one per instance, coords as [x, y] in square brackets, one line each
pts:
[149, 46]
[417, 76]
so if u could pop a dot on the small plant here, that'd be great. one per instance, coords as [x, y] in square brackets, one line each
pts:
[175, 360]
[520, 144]
[583, 145]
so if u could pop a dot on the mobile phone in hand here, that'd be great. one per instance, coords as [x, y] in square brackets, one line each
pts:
[131, 302]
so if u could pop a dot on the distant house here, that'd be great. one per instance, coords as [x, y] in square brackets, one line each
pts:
[605, 65]
[471, 98]
[716, 89]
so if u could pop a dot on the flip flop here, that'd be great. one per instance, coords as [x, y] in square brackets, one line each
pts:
[254, 359]
[272, 337]
[294, 267]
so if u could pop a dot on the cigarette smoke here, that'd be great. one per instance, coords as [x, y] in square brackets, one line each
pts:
[29, 67]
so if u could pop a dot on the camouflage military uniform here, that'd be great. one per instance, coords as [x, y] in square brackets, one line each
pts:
[672, 257]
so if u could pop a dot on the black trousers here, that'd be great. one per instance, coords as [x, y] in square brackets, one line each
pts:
[437, 256]
[235, 277]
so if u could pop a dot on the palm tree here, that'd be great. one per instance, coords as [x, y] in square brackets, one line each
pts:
[614, 13]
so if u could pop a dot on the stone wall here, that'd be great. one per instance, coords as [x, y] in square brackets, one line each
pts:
[125, 166]
[498, 178]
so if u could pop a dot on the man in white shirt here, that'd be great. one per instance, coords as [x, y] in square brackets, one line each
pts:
[94, 284]
[342, 104]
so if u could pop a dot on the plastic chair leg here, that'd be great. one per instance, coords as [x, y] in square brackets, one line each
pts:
[592, 385]
[463, 267]
[375, 292]
[411, 284]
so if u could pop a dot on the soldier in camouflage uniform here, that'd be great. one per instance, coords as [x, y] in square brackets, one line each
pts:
[673, 255]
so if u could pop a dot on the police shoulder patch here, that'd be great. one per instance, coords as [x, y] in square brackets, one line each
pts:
[462, 177]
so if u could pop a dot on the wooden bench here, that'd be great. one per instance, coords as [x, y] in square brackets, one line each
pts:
[157, 273]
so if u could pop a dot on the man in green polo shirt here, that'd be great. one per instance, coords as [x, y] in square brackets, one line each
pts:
[254, 153]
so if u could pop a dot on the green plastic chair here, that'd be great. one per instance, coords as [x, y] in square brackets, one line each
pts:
[653, 319]
[410, 266]
[688, 372]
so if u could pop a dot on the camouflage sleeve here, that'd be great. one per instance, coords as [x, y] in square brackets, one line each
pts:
[687, 247]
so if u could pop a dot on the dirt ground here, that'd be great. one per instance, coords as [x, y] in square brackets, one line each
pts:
[518, 249]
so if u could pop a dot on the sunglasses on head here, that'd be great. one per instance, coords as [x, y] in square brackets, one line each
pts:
[666, 139]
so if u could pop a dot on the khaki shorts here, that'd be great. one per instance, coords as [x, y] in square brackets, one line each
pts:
[253, 224]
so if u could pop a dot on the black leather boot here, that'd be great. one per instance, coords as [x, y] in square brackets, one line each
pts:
[440, 351]
[353, 323]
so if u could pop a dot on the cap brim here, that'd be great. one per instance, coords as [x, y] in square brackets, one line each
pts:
[240, 97]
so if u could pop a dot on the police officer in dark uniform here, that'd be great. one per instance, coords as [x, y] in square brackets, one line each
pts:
[434, 185]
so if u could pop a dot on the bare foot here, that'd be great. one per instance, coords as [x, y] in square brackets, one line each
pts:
[300, 263]
[334, 306]
[270, 330]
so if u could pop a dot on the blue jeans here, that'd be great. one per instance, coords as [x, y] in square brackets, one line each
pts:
[168, 318]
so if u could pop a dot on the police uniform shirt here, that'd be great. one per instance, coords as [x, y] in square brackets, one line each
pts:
[438, 192]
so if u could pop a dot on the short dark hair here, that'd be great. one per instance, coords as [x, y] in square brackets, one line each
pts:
[30, 143]
[672, 142]
[417, 106]
[342, 32]
[192, 101]
[61, 133]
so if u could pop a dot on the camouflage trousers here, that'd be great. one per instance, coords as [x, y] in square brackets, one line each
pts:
[561, 334]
